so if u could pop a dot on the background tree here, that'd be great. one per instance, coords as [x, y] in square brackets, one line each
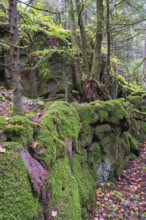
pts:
[15, 58]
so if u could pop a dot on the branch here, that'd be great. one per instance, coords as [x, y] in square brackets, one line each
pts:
[40, 9]
[119, 3]
[80, 13]
[140, 64]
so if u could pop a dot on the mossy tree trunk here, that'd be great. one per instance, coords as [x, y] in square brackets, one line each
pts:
[15, 58]
[85, 68]
[95, 70]
[74, 41]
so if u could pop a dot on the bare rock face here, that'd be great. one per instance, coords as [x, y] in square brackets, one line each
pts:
[38, 175]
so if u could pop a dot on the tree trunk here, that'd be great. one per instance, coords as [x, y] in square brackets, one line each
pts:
[85, 68]
[8, 77]
[74, 41]
[145, 56]
[108, 37]
[15, 58]
[95, 71]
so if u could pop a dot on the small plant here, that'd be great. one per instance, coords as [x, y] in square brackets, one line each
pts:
[136, 198]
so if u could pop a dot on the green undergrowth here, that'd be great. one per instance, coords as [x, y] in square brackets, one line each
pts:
[128, 87]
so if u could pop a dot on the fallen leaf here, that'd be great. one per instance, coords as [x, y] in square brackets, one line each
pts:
[54, 213]
[2, 150]
[35, 144]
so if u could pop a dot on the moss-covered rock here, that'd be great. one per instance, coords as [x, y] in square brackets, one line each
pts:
[79, 146]
[112, 147]
[102, 131]
[19, 129]
[86, 183]
[87, 113]
[86, 135]
[135, 100]
[111, 111]
[61, 121]
[17, 200]
[64, 192]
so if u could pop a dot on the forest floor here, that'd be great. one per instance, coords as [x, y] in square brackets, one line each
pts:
[123, 200]
[126, 198]
[6, 103]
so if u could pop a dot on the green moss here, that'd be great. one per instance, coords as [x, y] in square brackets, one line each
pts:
[102, 131]
[19, 129]
[65, 194]
[87, 113]
[130, 143]
[132, 156]
[12, 145]
[142, 129]
[111, 111]
[53, 63]
[86, 135]
[135, 100]
[2, 123]
[2, 98]
[85, 181]
[112, 146]
[126, 144]
[94, 155]
[61, 121]
[128, 87]
[16, 196]
[134, 145]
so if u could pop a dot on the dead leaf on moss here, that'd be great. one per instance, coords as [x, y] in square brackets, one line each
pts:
[2, 150]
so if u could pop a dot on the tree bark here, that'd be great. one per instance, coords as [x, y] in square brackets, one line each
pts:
[108, 37]
[145, 56]
[74, 41]
[85, 68]
[95, 70]
[15, 58]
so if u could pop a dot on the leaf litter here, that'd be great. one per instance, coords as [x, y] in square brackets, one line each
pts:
[126, 198]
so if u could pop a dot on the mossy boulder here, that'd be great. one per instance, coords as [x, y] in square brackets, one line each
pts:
[60, 121]
[64, 192]
[17, 200]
